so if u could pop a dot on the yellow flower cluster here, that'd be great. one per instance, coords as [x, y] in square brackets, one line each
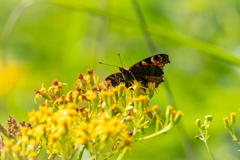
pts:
[100, 118]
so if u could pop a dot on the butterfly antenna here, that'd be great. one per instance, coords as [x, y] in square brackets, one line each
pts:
[108, 64]
[120, 59]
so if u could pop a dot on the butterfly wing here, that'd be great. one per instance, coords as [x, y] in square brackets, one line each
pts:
[151, 69]
[115, 78]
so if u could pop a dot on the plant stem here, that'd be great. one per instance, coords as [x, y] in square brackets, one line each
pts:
[157, 124]
[209, 149]
[235, 138]
[164, 130]
[144, 27]
[38, 152]
[73, 153]
[109, 156]
[81, 152]
[122, 154]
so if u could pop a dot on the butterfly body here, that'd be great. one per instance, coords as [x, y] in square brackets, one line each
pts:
[147, 70]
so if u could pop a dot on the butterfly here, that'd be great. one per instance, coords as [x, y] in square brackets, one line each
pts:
[147, 70]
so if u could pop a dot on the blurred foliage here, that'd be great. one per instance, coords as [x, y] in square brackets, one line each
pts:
[56, 39]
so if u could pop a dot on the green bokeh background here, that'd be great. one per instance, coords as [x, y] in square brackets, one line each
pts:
[57, 39]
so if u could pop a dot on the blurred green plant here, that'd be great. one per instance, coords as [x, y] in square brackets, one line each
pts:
[99, 118]
[203, 129]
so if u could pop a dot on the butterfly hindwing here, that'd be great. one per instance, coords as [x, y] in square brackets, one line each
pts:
[115, 78]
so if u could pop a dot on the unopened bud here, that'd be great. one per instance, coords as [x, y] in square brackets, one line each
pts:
[208, 118]
[203, 127]
[198, 123]
[177, 117]
[168, 111]
[226, 123]
[232, 118]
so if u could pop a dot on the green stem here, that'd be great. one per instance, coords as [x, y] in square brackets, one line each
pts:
[122, 154]
[81, 152]
[109, 156]
[209, 149]
[235, 138]
[38, 152]
[164, 130]
[73, 153]
[157, 124]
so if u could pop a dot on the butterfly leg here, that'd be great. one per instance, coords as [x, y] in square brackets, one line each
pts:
[133, 75]
[123, 76]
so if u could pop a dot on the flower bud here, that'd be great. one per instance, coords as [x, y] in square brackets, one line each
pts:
[81, 81]
[121, 89]
[151, 88]
[115, 91]
[226, 124]
[208, 118]
[203, 127]
[232, 118]
[198, 123]
[177, 117]
[156, 109]
[110, 96]
[168, 111]
[137, 87]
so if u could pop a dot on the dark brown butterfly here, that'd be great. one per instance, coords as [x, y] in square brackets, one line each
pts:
[147, 70]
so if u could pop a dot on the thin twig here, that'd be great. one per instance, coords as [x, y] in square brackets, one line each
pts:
[205, 141]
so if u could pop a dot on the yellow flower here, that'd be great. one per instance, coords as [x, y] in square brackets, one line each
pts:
[81, 81]
[95, 117]
[90, 95]
[40, 130]
[24, 154]
[57, 86]
[141, 102]
[121, 89]
[151, 88]
[91, 78]
[33, 155]
[65, 121]
[16, 149]
[136, 86]
[7, 144]
[41, 93]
